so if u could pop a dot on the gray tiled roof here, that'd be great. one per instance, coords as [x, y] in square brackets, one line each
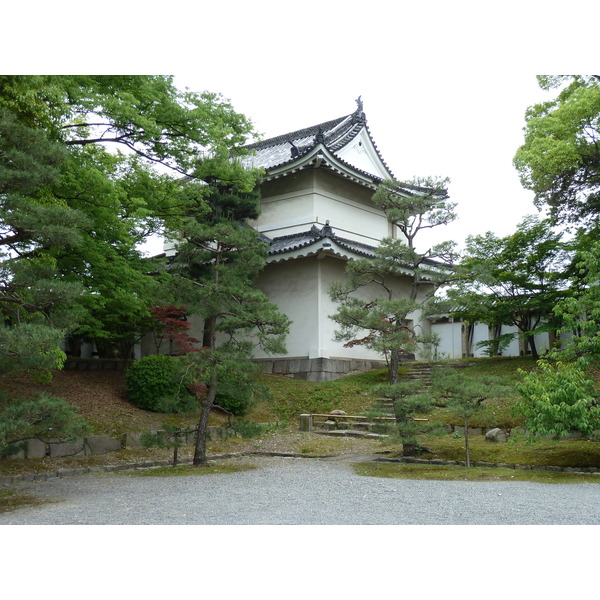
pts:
[335, 134]
[288, 243]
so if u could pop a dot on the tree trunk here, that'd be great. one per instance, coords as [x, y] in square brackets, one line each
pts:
[202, 433]
[532, 347]
[394, 366]
[467, 442]
[409, 449]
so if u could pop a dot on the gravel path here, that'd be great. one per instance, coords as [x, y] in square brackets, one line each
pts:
[293, 491]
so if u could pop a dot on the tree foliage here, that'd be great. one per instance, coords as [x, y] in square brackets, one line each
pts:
[407, 399]
[463, 395]
[218, 259]
[172, 327]
[559, 399]
[512, 280]
[45, 417]
[562, 396]
[580, 312]
[90, 166]
[372, 300]
[560, 158]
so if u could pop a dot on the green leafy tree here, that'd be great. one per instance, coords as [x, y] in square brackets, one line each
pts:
[559, 399]
[372, 300]
[560, 158]
[562, 396]
[513, 280]
[35, 302]
[580, 312]
[463, 395]
[79, 183]
[80, 187]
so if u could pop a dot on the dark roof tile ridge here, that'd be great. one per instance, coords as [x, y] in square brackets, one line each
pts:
[354, 243]
[293, 135]
[291, 236]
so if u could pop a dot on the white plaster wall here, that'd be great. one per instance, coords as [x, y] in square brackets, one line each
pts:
[317, 196]
[451, 339]
[361, 153]
[292, 286]
[286, 214]
[352, 220]
[480, 333]
[332, 269]
[513, 348]
[301, 290]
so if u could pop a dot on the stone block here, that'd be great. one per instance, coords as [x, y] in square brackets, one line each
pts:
[306, 423]
[36, 448]
[361, 426]
[59, 448]
[132, 440]
[19, 455]
[280, 367]
[496, 435]
[100, 444]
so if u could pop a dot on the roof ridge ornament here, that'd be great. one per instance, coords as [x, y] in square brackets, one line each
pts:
[325, 231]
[320, 137]
[358, 113]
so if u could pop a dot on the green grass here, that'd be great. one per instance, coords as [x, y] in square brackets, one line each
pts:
[457, 473]
[292, 397]
[518, 451]
[190, 470]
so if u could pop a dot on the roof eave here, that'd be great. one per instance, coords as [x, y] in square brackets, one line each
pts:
[320, 156]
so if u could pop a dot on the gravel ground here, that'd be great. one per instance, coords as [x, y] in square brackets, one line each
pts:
[298, 491]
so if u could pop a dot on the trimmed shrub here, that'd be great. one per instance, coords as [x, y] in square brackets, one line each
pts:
[156, 383]
[234, 396]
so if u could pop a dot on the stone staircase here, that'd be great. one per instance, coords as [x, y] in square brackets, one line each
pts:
[418, 372]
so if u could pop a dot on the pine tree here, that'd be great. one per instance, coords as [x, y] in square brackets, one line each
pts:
[218, 259]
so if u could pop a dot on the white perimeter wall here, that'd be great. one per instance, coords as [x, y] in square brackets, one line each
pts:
[451, 340]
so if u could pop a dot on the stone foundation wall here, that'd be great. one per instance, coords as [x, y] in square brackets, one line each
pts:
[94, 444]
[95, 364]
[317, 369]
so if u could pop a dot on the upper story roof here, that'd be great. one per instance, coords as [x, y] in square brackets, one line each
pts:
[344, 145]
